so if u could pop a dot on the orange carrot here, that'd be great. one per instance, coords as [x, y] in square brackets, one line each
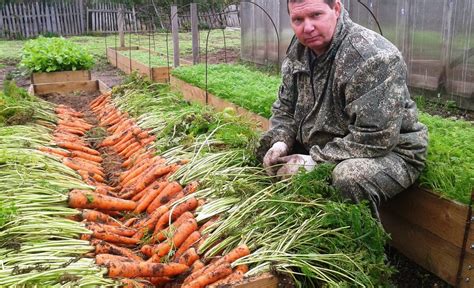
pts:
[209, 223]
[191, 188]
[188, 205]
[236, 276]
[182, 233]
[102, 247]
[166, 195]
[148, 223]
[238, 252]
[98, 217]
[114, 238]
[86, 156]
[197, 265]
[210, 277]
[104, 259]
[90, 200]
[147, 250]
[144, 269]
[190, 241]
[156, 172]
[188, 257]
[132, 283]
[74, 146]
[161, 236]
[54, 151]
[159, 281]
[104, 228]
[154, 192]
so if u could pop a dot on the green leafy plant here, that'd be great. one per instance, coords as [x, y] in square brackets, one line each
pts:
[54, 54]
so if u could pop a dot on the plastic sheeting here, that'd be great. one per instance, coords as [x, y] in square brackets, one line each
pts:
[436, 38]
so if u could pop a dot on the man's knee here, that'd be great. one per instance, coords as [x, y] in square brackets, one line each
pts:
[346, 179]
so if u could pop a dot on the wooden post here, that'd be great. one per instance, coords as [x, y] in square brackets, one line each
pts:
[175, 31]
[195, 32]
[121, 22]
[1, 23]
[81, 17]
[447, 38]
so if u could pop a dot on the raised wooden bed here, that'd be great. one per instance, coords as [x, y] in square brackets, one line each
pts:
[60, 76]
[127, 65]
[426, 228]
[196, 94]
[68, 87]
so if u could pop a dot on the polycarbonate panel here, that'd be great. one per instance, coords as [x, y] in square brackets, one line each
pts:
[436, 38]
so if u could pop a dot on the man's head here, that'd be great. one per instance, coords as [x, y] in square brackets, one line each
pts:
[314, 22]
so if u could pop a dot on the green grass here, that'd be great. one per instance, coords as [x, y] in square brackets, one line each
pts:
[97, 44]
[450, 163]
[147, 58]
[251, 89]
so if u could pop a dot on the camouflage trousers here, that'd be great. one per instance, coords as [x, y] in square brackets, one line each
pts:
[373, 179]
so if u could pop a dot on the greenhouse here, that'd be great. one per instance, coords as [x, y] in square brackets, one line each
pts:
[297, 143]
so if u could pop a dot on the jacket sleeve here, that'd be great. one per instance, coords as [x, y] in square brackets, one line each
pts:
[282, 123]
[375, 97]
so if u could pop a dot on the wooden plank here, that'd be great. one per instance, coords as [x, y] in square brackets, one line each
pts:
[265, 280]
[81, 17]
[47, 18]
[56, 10]
[12, 17]
[61, 76]
[103, 88]
[423, 247]
[175, 32]
[195, 33]
[467, 272]
[54, 22]
[444, 218]
[161, 74]
[195, 94]
[66, 87]
[25, 16]
[19, 19]
[2, 26]
[8, 24]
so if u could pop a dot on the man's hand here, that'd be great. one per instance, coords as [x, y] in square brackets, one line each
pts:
[293, 163]
[278, 150]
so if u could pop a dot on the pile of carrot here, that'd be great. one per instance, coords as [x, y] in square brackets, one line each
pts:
[143, 227]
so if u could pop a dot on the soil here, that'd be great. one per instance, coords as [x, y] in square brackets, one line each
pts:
[79, 101]
[220, 56]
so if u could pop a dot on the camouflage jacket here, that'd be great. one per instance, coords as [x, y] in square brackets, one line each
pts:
[350, 102]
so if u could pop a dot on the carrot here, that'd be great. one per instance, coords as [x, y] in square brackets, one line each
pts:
[182, 233]
[236, 276]
[148, 223]
[190, 241]
[137, 197]
[69, 130]
[191, 188]
[152, 176]
[209, 223]
[147, 250]
[90, 200]
[122, 231]
[154, 259]
[130, 222]
[162, 198]
[114, 238]
[144, 269]
[86, 156]
[104, 259]
[189, 257]
[54, 151]
[210, 277]
[161, 236]
[102, 247]
[129, 150]
[197, 265]
[157, 281]
[238, 252]
[98, 217]
[74, 146]
[154, 192]
[188, 205]
[132, 283]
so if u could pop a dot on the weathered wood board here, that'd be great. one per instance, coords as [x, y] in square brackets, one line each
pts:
[60, 76]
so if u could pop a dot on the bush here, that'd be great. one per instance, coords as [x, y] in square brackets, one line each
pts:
[55, 54]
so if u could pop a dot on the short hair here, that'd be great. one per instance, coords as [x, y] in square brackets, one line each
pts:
[331, 3]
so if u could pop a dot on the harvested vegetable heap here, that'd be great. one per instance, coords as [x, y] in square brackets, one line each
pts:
[187, 206]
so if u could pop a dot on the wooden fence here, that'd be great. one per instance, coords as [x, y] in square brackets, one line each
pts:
[32, 19]
[76, 17]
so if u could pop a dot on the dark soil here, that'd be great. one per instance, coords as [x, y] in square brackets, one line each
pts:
[79, 101]
[220, 56]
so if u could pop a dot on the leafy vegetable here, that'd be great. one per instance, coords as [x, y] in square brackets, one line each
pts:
[55, 54]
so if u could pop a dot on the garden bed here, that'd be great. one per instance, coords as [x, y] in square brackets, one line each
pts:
[119, 59]
[61, 76]
[426, 228]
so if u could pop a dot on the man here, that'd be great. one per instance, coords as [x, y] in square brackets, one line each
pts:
[344, 100]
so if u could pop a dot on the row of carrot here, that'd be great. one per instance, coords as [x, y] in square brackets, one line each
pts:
[142, 227]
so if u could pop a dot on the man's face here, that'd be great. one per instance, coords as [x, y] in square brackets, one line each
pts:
[314, 23]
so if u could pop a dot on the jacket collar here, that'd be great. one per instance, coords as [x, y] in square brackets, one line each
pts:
[299, 55]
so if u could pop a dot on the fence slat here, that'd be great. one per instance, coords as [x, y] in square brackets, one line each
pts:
[2, 29]
[12, 19]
